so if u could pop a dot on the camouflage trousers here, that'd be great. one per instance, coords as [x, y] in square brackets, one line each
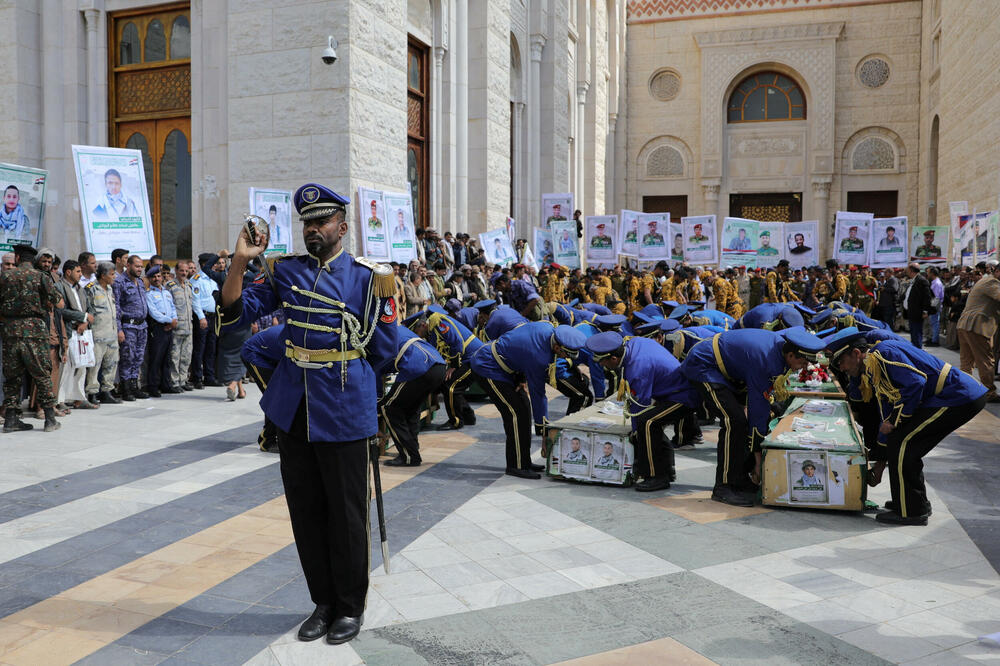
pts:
[26, 356]
[180, 358]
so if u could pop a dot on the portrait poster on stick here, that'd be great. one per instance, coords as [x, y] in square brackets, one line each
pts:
[497, 246]
[929, 245]
[601, 235]
[374, 240]
[629, 233]
[543, 243]
[699, 239]
[956, 208]
[564, 242]
[114, 201]
[23, 205]
[991, 222]
[769, 244]
[654, 228]
[676, 242]
[888, 242]
[807, 477]
[557, 208]
[399, 217]
[739, 242]
[967, 238]
[850, 241]
[275, 206]
[575, 454]
[800, 245]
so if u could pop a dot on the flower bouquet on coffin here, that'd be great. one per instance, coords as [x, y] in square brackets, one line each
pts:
[815, 375]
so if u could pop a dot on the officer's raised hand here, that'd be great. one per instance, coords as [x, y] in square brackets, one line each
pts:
[246, 249]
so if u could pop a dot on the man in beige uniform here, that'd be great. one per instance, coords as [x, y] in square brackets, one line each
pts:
[188, 310]
[101, 305]
[976, 328]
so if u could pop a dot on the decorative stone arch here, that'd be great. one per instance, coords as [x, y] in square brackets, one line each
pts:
[874, 150]
[664, 157]
[779, 67]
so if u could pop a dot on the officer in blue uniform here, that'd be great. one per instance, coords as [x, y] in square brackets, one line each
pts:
[456, 344]
[596, 308]
[756, 362]
[713, 318]
[484, 309]
[261, 354]
[656, 394]
[526, 354]
[501, 320]
[921, 400]
[340, 336]
[162, 321]
[771, 316]
[130, 305]
[420, 372]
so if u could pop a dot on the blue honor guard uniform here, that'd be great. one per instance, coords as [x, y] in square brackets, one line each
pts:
[261, 354]
[340, 335]
[456, 343]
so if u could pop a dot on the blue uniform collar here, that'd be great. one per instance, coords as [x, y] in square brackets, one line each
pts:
[329, 262]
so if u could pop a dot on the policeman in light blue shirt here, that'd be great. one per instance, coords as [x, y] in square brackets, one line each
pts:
[163, 316]
[203, 346]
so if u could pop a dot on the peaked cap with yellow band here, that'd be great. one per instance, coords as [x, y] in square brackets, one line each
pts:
[313, 201]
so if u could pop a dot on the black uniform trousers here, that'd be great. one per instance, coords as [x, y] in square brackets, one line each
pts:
[157, 355]
[515, 409]
[261, 376]
[203, 350]
[400, 409]
[733, 449]
[911, 441]
[327, 491]
[577, 389]
[455, 404]
[654, 457]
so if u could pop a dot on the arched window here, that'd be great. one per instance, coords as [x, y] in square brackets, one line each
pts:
[766, 96]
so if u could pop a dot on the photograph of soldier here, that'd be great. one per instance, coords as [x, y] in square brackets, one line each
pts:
[600, 239]
[114, 203]
[631, 231]
[889, 241]
[556, 214]
[698, 236]
[374, 223]
[401, 232]
[798, 244]
[765, 244]
[607, 461]
[574, 454]
[928, 249]
[677, 251]
[651, 237]
[852, 243]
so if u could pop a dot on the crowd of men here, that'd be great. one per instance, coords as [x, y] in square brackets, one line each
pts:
[152, 331]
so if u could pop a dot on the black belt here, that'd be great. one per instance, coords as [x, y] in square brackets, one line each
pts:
[134, 322]
[23, 316]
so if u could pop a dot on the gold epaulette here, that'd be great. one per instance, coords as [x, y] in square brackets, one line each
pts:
[383, 279]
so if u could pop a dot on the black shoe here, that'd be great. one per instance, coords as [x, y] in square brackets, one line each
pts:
[450, 426]
[173, 389]
[317, 624]
[105, 398]
[522, 473]
[892, 507]
[92, 399]
[653, 483]
[893, 518]
[50, 420]
[470, 418]
[536, 468]
[213, 383]
[344, 629]
[13, 423]
[153, 392]
[198, 386]
[400, 461]
[728, 495]
[187, 386]
[138, 392]
[126, 393]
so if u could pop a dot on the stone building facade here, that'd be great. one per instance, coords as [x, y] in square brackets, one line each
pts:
[480, 106]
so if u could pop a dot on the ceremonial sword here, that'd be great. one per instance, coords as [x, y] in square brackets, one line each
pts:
[378, 503]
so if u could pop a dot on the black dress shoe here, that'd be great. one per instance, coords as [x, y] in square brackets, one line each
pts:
[892, 507]
[213, 383]
[536, 468]
[199, 386]
[344, 629]
[173, 389]
[187, 386]
[153, 393]
[93, 399]
[893, 518]
[318, 623]
[106, 398]
[729, 495]
[652, 483]
[450, 426]
[470, 420]
[400, 461]
[522, 473]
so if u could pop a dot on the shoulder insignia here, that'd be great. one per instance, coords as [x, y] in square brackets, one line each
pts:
[384, 279]
[91, 285]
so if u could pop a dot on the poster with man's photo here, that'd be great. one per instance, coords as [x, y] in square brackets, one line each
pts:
[654, 229]
[114, 201]
[564, 242]
[402, 238]
[802, 243]
[601, 236]
[850, 240]
[955, 209]
[888, 241]
[557, 208]
[769, 245]
[990, 222]
[676, 242]
[275, 206]
[739, 242]
[807, 477]
[374, 232]
[629, 233]
[544, 255]
[929, 245]
[608, 459]
[979, 237]
[699, 239]
[23, 205]
[574, 454]
[497, 247]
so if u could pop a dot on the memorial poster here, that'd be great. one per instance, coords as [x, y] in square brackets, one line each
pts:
[929, 245]
[807, 477]
[23, 205]
[608, 459]
[575, 454]
[543, 243]
[769, 244]
[565, 246]
[676, 242]
[739, 242]
[114, 201]
[374, 234]
[275, 206]
[956, 208]
[699, 239]
[557, 208]
[801, 243]
[630, 233]
[399, 216]
[654, 229]
[601, 235]
[497, 247]
[851, 236]
[888, 242]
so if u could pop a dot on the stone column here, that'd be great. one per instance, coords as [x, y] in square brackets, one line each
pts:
[92, 19]
[534, 174]
[461, 175]
[437, 111]
[581, 100]
[517, 190]
[710, 189]
[610, 193]
[821, 201]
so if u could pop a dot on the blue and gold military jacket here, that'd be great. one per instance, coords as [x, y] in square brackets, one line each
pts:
[415, 356]
[586, 356]
[340, 307]
[652, 374]
[453, 340]
[766, 314]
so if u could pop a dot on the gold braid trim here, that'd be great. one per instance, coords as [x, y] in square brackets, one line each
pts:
[552, 374]
[876, 379]
[780, 392]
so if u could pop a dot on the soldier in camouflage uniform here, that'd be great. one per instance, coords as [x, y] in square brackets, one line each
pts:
[25, 296]
[756, 290]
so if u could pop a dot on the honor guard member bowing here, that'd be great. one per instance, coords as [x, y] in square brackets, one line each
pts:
[26, 294]
[656, 392]
[130, 302]
[261, 354]
[340, 335]
[771, 316]
[757, 362]
[420, 372]
[921, 400]
[525, 355]
[456, 344]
